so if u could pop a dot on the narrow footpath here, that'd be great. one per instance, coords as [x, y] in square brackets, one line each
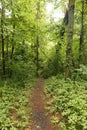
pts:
[40, 121]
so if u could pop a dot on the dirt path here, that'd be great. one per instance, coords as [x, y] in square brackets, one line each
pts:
[39, 119]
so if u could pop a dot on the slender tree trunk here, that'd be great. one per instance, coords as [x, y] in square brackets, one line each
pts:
[37, 55]
[37, 38]
[12, 40]
[7, 58]
[7, 49]
[81, 43]
[69, 57]
[12, 50]
[2, 39]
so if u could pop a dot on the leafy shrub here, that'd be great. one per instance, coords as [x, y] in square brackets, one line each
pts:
[14, 103]
[81, 72]
[71, 100]
[23, 66]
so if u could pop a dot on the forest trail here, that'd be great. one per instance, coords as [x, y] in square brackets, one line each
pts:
[40, 121]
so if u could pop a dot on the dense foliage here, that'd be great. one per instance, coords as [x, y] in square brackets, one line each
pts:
[70, 99]
[15, 107]
[35, 41]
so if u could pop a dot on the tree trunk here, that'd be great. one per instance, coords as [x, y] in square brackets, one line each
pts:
[64, 24]
[12, 41]
[37, 38]
[7, 58]
[69, 57]
[81, 43]
[2, 39]
[12, 50]
[37, 55]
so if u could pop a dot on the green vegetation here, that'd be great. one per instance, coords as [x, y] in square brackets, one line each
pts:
[70, 99]
[36, 41]
[15, 105]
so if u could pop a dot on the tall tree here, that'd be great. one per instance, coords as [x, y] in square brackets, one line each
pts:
[2, 36]
[81, 43]
[37, 36]
[12, 38]
[64, 23]
[69, 57]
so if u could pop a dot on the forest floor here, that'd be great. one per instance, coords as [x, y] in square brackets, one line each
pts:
[39, 119]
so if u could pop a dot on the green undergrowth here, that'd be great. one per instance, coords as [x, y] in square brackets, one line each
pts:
[70, 99]
[15, 107]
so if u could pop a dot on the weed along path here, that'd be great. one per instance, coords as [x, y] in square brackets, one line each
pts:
[40, 121]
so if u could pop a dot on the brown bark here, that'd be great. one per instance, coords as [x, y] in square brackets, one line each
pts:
[69, 56]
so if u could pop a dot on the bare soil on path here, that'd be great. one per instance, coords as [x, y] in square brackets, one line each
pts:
[40, 120]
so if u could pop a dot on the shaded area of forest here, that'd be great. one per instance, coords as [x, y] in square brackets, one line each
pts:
[33, 44]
